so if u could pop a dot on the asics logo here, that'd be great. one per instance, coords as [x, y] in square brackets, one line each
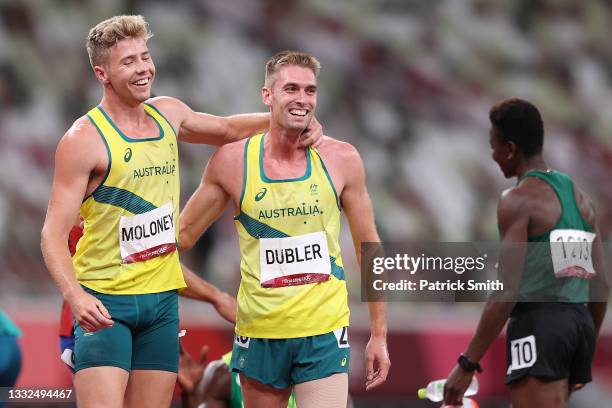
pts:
[128, 155]
[261, 194]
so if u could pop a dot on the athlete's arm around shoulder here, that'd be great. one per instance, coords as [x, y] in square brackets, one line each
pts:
[198, 127]
[348, 173]
[79, 154]
[220, 182]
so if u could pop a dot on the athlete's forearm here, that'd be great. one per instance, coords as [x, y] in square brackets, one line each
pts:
[492, 321]
[59, 264]
[246, 125]
[197, 288]
[217, 130]
[378, 319]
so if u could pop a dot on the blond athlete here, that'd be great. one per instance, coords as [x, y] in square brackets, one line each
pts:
[118, 166]
[291, 326]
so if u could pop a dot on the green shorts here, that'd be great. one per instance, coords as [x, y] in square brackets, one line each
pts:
[281, 363]
[144, 335]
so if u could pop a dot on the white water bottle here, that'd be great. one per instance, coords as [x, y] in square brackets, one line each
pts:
[435, 390]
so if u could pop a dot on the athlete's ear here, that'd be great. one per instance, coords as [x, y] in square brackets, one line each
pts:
[266, 96]
[512, 150]
[101, 74]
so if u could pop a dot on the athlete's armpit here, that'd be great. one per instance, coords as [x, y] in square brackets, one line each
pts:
[203, 208]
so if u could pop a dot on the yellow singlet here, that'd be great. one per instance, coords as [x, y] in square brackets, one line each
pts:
[131, 219]
[293, 282]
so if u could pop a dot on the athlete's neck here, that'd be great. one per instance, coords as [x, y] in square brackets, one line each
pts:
[122, 111]
[533, 163]
[283, 144]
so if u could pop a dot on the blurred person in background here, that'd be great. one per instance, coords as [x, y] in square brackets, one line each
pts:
[556, 299]
[118, 166]
[293, 315]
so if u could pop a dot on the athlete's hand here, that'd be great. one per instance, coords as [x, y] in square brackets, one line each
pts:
[377, 362]
[457, 383]
[312, 135]
[89, 312]
[190, 371]
[226, 306]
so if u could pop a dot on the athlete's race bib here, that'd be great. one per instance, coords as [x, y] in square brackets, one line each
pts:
[146, 236]
[571, 252]
[523, 353]
[294, 260]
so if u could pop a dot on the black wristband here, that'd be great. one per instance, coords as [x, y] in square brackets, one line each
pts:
[468, 365]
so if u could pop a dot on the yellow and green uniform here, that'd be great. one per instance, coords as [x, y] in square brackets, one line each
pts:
[236, 400]
[131, 218]
[293, 282]
[292, 319]
[127, 256]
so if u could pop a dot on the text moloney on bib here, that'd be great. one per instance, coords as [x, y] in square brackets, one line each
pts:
[148, 235]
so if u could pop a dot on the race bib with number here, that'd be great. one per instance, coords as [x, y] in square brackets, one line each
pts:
[342, 337]
[571, 252]
[523, 353]
[294, 261]
[146, 236]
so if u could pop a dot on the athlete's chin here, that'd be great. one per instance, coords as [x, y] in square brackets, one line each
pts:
[142, 96]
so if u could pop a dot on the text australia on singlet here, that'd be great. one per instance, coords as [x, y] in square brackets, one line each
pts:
[296, 260]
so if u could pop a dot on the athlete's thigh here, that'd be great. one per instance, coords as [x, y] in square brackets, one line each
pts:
[110, 347]
[258, 395]
[150, 388]
[329, 392]
[102, 387]
[156, 347]
[532, 392]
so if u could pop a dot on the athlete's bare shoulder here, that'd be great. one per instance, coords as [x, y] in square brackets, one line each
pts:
[231, 154]
[166, 103]
[82, 137]
[226, 167]
[532, 193]
[513, 202]
[337, 149]
[173, 109]
[585, 205]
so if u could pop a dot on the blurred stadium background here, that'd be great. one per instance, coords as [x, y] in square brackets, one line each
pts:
[408, 82]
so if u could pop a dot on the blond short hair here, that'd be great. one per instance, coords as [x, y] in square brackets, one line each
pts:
[108, 32]
[284, 58]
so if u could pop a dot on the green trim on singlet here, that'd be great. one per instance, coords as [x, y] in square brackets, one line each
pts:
[122, 198]
[244, 178]
[262, 171]
[258, 229]
[538, 279]
[108, 153]
[164, 118]
[331, 183]
[133, 140]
